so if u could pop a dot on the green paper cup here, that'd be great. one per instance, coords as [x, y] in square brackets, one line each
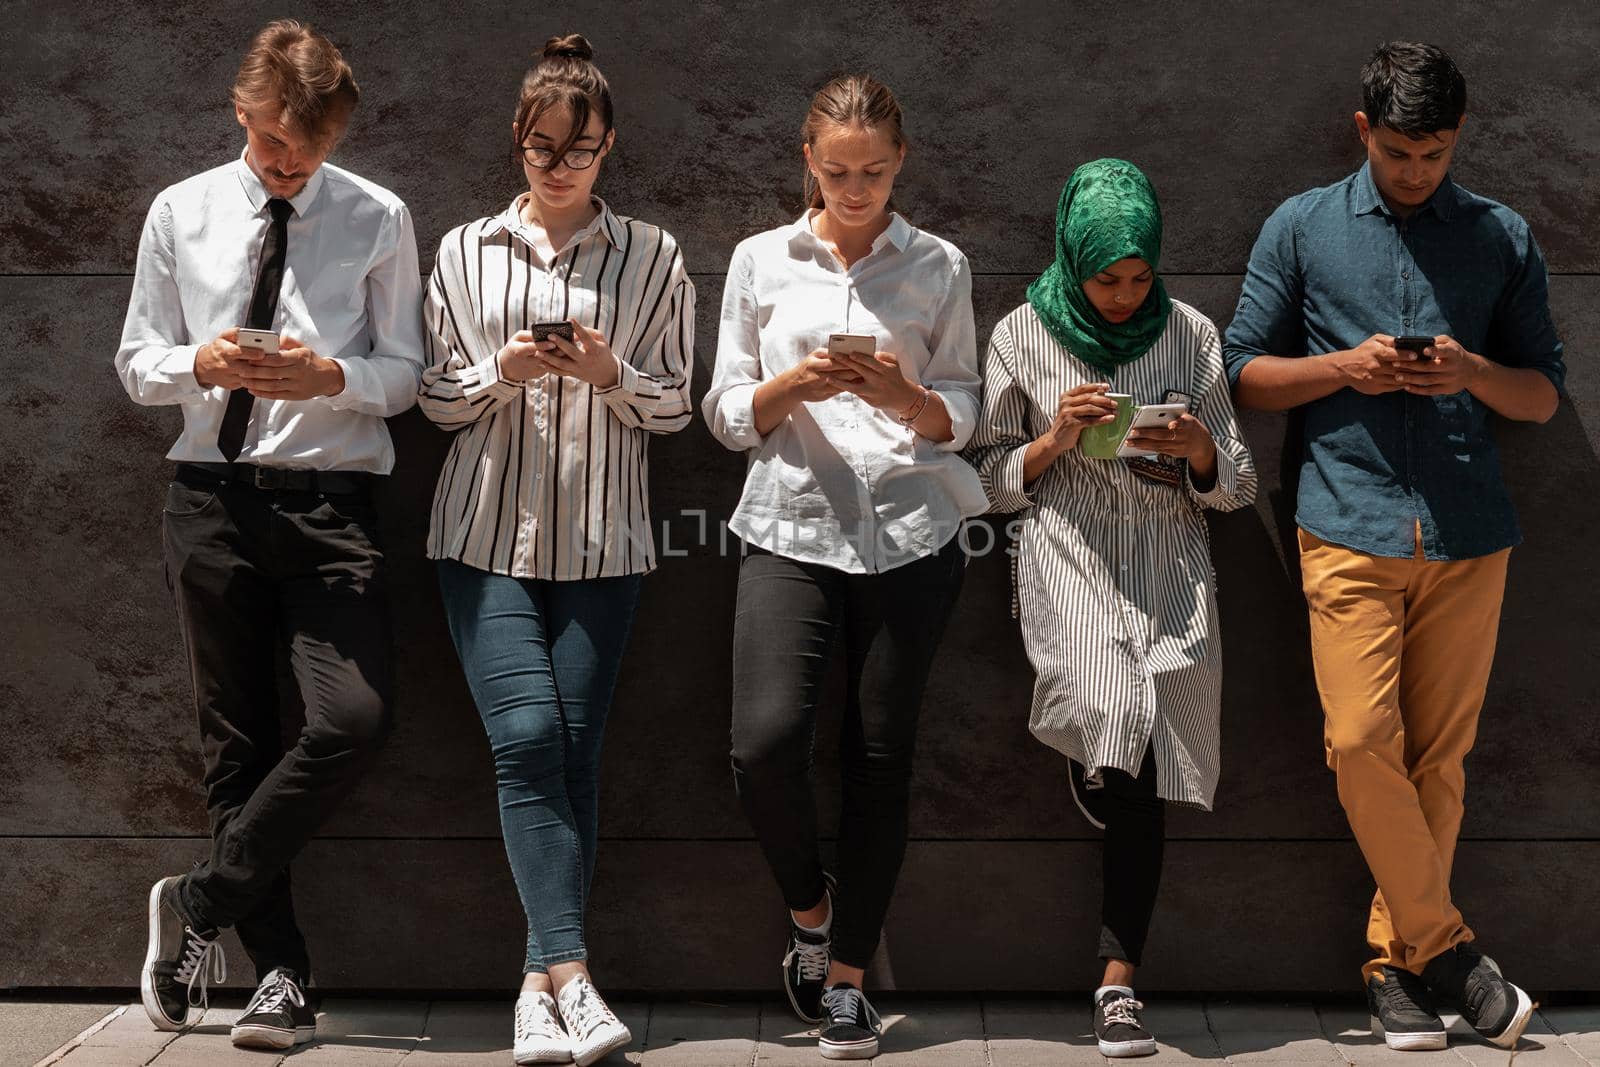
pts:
[1101, 441]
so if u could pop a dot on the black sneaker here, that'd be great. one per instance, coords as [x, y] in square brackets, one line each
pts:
[1117, 1026]
[1402, 1011]
[851, 1030]
[180, 961]
[1465, 979]
[805, 964]
[277, 1016]
[1087, 797]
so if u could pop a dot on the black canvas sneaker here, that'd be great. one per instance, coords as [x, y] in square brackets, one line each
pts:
[1465, 979]
[1118, 1028]
[1087, 797]
[852, 1027]
[1402, 1011]
[277, 1016]
[805, 964]
[181, 959]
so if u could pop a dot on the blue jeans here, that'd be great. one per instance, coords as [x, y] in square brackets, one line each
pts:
[541, 659]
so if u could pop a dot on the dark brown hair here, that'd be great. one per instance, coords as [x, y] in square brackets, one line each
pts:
[565, 76]
[850, 100]
[292, 65]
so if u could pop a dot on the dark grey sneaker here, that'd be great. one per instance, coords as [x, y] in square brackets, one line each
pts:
[1465, 979]
[181, 959]
[852, 1027]
[277, 1016]
[1118, 1028]
[805, 965]
[1402, 1011]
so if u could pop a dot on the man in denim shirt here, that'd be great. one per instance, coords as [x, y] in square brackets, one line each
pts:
[1398, 310]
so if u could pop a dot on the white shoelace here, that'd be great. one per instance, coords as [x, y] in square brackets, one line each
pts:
[813, 960]
[1122, 1009]
[202, 962]
[847, 1004]
[273, 993]
[584, 1010]
[535, 1017]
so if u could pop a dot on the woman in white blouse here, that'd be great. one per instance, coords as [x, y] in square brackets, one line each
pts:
[850, 515]
[541, 525]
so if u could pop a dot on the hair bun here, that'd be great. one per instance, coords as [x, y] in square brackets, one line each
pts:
[572, 46]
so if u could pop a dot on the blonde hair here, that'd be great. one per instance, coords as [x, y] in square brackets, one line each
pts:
[298, 69]
[850, 100]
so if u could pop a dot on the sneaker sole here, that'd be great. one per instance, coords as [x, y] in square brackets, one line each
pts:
[600, 1052]
[545, 1055]
[1419, 1041]
[1123, 1049]
[1072, 787]
[1508, 1038]
[848, 1050]
[271, 1036]
[147, 984]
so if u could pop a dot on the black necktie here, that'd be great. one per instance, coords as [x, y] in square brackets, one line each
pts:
[263, 308]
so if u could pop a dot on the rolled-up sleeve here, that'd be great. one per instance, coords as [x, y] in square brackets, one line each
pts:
[1523, 334]
[729, 406]
[952, 370]
[1000, 438]
[1235, 484]
[652, 390]
[1268, 320]
[384, 381]
[462, 382]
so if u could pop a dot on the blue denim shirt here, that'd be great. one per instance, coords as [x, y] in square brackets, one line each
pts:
[1332, 267]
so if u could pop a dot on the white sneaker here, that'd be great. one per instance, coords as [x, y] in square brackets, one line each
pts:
[540, 1037]
[592, 1028]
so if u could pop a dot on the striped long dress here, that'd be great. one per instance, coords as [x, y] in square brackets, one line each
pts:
[1115, 588]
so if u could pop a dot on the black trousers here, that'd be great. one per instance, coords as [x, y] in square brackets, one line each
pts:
[790, 617]
[1135, 818]
[251, 569]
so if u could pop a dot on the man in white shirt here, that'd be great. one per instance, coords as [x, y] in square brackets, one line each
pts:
[269, 529]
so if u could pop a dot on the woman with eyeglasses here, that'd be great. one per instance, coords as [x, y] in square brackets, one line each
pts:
[560, 338]
[851, 515]
[1113, 573]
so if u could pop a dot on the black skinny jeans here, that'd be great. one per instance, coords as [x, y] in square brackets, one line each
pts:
[789, 618]
[250, 568]
[1135, 840]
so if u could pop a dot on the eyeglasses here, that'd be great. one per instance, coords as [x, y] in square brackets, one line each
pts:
[546, 159]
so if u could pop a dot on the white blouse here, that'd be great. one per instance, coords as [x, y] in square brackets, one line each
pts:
[840, 482]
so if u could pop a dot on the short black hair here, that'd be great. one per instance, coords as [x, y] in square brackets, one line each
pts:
[1412, 88]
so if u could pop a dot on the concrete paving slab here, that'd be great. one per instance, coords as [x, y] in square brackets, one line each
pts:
[784, 1041]
[376, 1025]
[131, 1029]
[702, 1035]
[107, 1056]
[1279, 1046]
[1349, 1029]
[320, 1055]
[1236, 1017]
[1035, 1051]
[30, 1030]
[1535, 1048]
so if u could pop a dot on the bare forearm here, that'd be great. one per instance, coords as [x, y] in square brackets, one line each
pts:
[933, 422]
[1514, 392]
[1278, 383]
[1042, 452]
[773, 401]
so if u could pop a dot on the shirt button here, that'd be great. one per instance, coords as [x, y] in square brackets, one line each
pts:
[1405, 274]
[1124, 566]
[1407, 322]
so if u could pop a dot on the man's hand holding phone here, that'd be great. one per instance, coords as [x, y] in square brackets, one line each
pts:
[1444, 368]
[294, 372]
[1370, 367]
[217, 362]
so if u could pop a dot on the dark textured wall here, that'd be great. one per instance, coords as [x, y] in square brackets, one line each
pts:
[1229, 106]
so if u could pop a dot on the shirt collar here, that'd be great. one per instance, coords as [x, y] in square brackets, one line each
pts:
[898, 232]
[257, 194]
[606, 223]
[1369, 200]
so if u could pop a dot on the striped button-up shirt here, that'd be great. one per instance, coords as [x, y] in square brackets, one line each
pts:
[548, 478]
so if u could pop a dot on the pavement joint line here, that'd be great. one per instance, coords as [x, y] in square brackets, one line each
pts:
[85, 1034]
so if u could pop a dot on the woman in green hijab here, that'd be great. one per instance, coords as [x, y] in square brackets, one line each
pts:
[1113, 574]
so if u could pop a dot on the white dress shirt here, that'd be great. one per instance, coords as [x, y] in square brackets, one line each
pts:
[840, 482]
[549, 478]
[352, 292]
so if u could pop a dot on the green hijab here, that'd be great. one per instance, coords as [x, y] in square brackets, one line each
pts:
[1108, 211]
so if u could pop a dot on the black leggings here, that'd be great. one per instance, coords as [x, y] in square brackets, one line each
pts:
[790, 616]
[1135, 836]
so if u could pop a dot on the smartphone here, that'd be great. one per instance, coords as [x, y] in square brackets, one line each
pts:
[1414, 344]
[263, 340]
[1149, 417]
[851, 344]
[543, 330]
